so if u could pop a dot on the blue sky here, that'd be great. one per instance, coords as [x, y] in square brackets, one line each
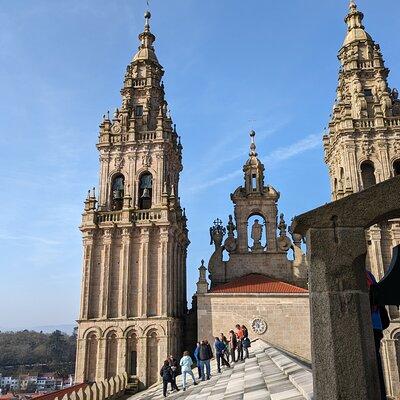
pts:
[231, 66]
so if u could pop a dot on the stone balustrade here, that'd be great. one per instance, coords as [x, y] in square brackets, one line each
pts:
[108, 389]
[134, 216]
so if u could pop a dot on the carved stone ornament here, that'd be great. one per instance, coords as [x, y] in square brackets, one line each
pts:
[259, 326]
[116, 128]
[146, 160]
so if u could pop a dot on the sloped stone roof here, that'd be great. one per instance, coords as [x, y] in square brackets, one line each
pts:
[257, 283]
[267, 374]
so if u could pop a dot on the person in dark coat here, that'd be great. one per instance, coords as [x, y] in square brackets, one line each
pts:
[232, 345]
[205, 355]
[220, 354]
[380, 322]
[173, 363]
[245, 342]
[166, 374]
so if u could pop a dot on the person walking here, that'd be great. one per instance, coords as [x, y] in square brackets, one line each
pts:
[380, 322]
[205, 355]
[196, 357]
[166, 374]
[245, 342]
[186, 368]
[239, 336]
[225, 341]
[219, 352]
[173, 363]
[232, 345]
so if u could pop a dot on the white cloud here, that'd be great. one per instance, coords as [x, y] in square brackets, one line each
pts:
[28, 238]
[278, 155]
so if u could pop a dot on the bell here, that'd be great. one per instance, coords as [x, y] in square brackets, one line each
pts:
[118, 194]
[146, 194]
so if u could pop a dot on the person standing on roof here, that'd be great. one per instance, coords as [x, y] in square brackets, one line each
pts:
[186, 367]
[196, 357]
[239, 336]
[220, 351]
[380, 322]
[232, 345]
[205, 356]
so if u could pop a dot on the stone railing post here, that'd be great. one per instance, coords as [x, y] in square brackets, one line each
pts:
[343, 352]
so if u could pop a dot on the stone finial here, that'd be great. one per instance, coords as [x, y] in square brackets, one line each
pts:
[282, 225]
[202, 284]
[90, 202]
[252, 144]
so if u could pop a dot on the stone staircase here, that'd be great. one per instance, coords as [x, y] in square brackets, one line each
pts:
[268, 374]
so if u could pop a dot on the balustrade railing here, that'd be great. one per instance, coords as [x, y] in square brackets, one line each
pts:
[112, 216]
[146, 215]
[108, 389]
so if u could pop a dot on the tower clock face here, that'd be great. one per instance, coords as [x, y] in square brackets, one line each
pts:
[259, 326]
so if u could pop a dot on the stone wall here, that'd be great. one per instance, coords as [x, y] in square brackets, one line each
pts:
[287, 317]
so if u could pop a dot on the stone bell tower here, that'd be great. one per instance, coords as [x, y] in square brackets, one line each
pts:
[362, 148]
[134, 235]
[256, 242]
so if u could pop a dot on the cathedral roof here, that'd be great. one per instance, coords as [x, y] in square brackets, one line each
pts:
[257, 283]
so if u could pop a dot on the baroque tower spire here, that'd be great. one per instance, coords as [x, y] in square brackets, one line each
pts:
[135, 241]
[362, 146]
[365, 121]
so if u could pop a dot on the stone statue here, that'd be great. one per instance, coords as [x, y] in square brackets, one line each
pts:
[256, 234]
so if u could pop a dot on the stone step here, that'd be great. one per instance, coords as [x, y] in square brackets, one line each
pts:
[296, 373]
[235, 387]
[220, 387]
[254, 383]
[277, 382]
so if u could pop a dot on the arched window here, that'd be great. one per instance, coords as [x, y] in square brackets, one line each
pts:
[131, 354]
[112, 354]
[396, 167]
[91, 357]
[368, 174]
[117, 192]
[256, 232]
[145, 190]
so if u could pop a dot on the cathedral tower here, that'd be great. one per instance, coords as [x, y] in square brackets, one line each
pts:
[134, 234]
[362, 148]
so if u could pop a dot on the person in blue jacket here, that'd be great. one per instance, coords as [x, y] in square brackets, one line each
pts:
[196, 357]
[220, 349]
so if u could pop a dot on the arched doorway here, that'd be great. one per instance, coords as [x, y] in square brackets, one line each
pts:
[111, 354]
[152, 358]
[92, 344]
[131, 354]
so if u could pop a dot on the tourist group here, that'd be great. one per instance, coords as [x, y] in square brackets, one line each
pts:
[227, 351]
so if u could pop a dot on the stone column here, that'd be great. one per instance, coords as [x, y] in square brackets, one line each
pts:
[143, 271]
[124, 266]
[162, 272]
[105, 273]
[121, 367]
[142, 359]
[389, 359]
[80, 361]
[343, 352]
[101, 360]
[87, 269]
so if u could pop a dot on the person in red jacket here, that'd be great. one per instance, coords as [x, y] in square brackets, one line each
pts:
[240, 337]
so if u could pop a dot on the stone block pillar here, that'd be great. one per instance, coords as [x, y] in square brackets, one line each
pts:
[343, 352]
